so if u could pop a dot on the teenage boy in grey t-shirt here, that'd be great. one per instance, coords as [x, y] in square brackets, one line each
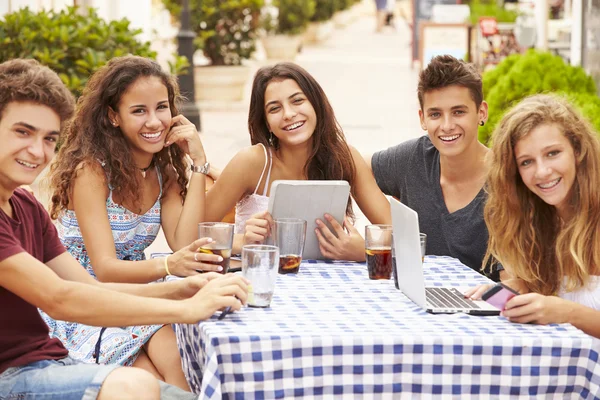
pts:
[441, 175]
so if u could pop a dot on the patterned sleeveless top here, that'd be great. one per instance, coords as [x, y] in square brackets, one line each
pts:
[254, 203]
[132, 233]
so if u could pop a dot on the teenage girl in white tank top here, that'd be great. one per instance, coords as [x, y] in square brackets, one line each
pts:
[254, 203]
[295, 137]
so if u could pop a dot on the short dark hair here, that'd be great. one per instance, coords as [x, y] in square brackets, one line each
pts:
[29, 81]
[444, 71]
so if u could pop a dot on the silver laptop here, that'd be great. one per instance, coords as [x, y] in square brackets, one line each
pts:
[409, 270]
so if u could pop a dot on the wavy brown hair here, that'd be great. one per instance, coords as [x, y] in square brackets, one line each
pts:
[330, 157]
[526, 234]
[91, 137]
[29, 81]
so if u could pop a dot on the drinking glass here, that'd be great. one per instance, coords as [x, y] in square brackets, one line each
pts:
[423, 238]
[378, 247]
[259, 266]
[221, 234]
[289, 235]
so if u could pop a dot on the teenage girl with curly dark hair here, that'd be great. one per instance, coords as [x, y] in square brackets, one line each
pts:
[120, 175]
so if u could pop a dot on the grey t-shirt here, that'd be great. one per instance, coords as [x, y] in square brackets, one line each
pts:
[410, 172]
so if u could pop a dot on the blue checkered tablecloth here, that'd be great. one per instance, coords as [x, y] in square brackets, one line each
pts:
[332, 332]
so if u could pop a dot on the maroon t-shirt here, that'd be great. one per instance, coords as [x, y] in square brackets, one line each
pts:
[23, 333]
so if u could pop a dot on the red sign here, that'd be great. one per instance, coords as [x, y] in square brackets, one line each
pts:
[488, 26]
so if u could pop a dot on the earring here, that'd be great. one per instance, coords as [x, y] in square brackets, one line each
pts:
[271, 139]
[481, 123]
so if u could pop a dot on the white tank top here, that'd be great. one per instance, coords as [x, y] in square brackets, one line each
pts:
[254, 203]
[588, 296]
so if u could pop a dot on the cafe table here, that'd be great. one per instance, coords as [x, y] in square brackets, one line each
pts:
[331, 332]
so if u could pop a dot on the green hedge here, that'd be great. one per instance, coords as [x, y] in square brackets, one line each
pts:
[490, 8]
[521, 75]
[341, 5]
[324, 10]
[293, 16]
[74, 45]
[226, 29]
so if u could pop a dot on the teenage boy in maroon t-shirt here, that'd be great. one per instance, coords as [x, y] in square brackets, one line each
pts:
[36, 271]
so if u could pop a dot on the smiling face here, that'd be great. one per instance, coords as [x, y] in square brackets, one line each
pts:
[451, 118]
[546, 162]
[144, 117]
[28, 133]
[289, 114]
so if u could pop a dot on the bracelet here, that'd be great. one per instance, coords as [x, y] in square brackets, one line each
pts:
[203, 169]
[167, 265]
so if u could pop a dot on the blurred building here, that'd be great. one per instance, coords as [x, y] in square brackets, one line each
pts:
[591, 39]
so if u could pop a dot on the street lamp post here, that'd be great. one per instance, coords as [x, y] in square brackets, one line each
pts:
[185, 40]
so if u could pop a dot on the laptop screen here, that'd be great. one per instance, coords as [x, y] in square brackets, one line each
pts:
[407, 250]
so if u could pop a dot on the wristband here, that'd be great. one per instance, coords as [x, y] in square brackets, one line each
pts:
[167, 265]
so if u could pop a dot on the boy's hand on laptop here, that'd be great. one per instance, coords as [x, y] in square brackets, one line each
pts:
[476, 292]
[345, 244]
[258, 228]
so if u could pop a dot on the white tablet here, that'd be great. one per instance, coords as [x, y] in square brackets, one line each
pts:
[309, 200]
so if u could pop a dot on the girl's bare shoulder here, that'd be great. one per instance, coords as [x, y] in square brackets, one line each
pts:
[249, 159]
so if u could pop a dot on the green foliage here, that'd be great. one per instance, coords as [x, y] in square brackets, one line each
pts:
[74, 45]
[226, 29]
[589, 105]
[179, 66]
[293, 16]
[324, 10]
[490, 8]
[340, 5]
[521, 75]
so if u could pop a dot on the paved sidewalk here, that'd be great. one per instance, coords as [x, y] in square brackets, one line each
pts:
[368, 79]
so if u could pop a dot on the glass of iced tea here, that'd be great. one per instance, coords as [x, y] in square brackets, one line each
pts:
[378, 246]
[259, 266]
[289, 235]
[222, 235]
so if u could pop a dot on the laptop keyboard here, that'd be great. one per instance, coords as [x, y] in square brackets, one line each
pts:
[448, 298]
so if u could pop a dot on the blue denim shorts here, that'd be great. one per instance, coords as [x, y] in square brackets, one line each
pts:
[64, 379]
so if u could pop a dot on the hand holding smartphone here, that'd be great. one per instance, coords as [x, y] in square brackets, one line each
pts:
[498, 295]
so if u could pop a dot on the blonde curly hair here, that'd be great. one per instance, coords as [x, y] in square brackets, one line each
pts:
[525, 234]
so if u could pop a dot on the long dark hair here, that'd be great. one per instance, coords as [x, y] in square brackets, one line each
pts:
[330, 157]
[91, 137]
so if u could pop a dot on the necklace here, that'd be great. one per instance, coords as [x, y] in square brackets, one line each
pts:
[143, 170]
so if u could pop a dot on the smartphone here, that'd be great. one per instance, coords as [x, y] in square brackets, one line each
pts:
[498, 295]
[235, 263]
